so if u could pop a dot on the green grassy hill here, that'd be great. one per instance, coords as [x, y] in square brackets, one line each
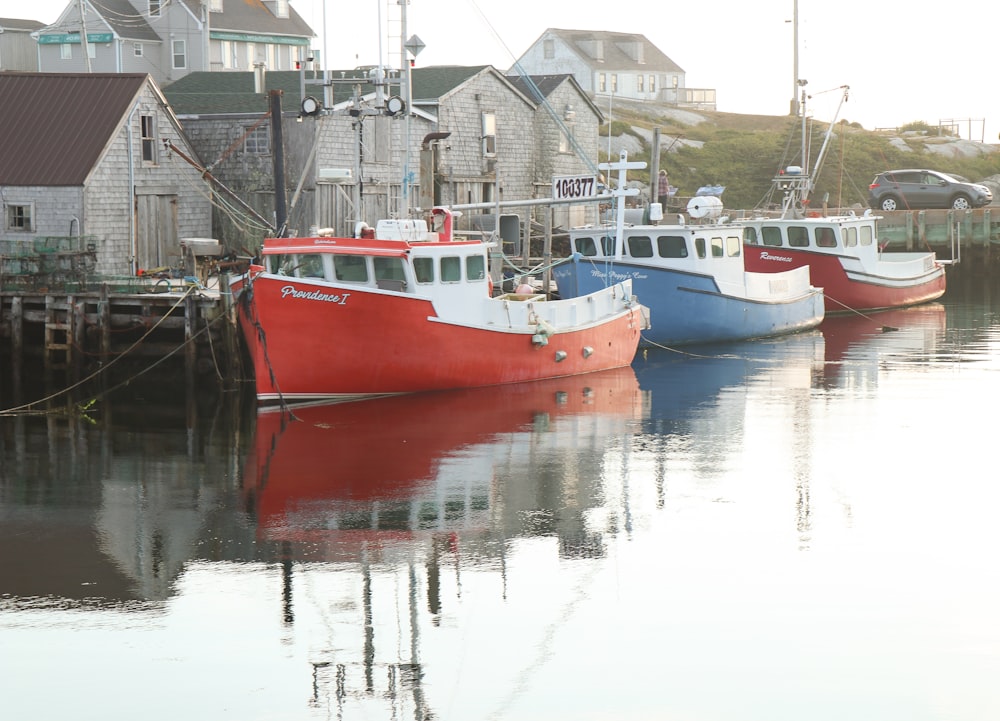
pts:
[744, 152]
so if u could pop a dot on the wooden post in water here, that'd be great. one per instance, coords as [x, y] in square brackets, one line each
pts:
[190, 348]
[17, 338]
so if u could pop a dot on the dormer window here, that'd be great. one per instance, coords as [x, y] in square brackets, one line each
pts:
[278, 7]
[215, 6]
[154, 8]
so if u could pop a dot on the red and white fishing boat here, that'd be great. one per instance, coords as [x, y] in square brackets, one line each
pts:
[845, 258]
[402, 308]
[843, 252]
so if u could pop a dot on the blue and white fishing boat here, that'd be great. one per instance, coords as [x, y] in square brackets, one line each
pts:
[689, 275]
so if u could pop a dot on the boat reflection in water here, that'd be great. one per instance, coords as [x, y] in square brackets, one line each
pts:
[369, 503]
[857, 345]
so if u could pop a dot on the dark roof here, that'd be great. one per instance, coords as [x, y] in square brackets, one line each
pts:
[434, 82]
[223, 93]
[253, 16]
[56, 125]
[25, 25]
[125, 20]
[615, 45]
[540, 87]
[532, 85]
[220, 93]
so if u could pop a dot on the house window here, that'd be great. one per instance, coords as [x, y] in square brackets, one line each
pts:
[602, 83]
[148, 131]
[489, 135]
[154, 8]
[258, 141]
[614, 83]
[281, 9]
[137, 50]
[228, 59]
[19, 217]
[565, 138]
[652, 83]
[179, 48]
[215, 6]
[676, 81]
[549, 48]
[65, 51]
[639, 83]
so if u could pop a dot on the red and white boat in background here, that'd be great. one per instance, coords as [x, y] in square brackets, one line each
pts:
[843, 252]
[845, 258]
[402, 309]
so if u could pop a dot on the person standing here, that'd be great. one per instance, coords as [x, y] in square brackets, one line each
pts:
[662, 188]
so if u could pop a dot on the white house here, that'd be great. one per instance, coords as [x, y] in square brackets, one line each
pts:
[625, 65]
[168, 39]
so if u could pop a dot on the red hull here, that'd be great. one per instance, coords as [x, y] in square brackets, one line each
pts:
[376, 343]
[330, 458]
[844, 292]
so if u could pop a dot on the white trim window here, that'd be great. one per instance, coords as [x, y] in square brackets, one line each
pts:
[489, 135]
[147, 132]
[178, 52]
[19, 217]
[137, 49]
[65, 51]
[154, 8]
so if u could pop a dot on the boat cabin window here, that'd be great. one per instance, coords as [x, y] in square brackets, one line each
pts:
[850, 237]
[640, 246]
[733, 245]
[423, 269]
[826, 238]
[750, 236]
[306, 265]
[717, 248]
[771, 236]
[867, 236]
[389, 269]
[475, 267]
[671, 246]
[699, 247]
[798, 236]
[586, 247]
[350, 268]
[451, 269]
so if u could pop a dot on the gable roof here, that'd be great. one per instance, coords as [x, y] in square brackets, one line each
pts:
[215, 93]
[20, 25]
[56, 125]
[122, 17]
[232, 93]
[252, 16]
[540, 87]
[619, 50]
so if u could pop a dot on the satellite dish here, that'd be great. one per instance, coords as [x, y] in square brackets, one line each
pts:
[704, 206]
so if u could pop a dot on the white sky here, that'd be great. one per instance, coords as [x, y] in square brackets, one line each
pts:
[902, 61]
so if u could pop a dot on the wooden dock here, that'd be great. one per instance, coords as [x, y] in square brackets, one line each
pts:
[117, 332]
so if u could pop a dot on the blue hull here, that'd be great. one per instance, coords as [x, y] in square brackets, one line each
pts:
[688, 308]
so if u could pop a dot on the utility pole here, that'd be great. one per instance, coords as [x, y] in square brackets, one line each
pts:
[794, 109]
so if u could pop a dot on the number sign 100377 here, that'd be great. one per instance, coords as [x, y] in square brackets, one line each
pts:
[570, 187]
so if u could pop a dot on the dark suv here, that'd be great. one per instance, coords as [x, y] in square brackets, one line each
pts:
[911, 189]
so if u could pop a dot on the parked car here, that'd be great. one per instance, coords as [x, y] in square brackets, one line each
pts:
[911, 189]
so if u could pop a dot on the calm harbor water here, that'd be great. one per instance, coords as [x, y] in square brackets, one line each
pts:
[799, 529]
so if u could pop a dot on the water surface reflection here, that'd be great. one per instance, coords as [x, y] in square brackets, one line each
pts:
[781, 529]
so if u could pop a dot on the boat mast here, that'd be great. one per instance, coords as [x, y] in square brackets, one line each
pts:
[620, 193]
